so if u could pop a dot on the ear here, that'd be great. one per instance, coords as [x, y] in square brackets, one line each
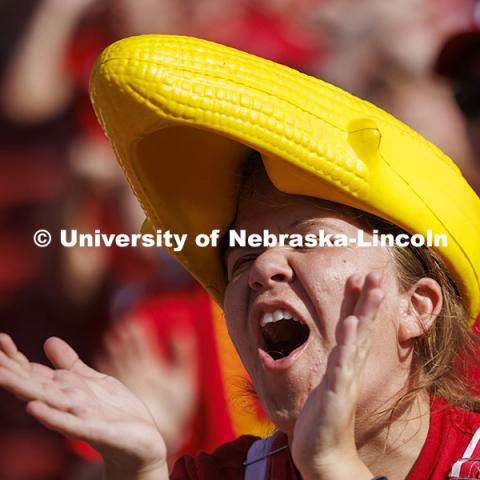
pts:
[422, 304]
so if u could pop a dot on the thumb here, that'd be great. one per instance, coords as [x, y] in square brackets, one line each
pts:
[63, 356]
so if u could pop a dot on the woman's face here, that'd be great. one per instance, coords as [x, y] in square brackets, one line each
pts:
[304, 289]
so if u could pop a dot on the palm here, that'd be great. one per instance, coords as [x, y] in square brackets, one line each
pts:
[79, 402]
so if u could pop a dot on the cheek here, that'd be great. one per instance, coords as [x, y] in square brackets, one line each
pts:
[236, 314]
[237, 331]
[335, 265]
[323, 276]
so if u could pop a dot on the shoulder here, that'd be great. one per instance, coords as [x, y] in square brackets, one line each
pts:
[460, 422]
[224, 462]
[450, 433]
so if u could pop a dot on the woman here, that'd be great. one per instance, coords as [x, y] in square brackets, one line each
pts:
[351, 350]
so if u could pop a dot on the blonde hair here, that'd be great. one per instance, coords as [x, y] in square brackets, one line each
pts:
[442, 353]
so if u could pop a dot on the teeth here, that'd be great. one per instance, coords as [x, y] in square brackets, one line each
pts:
[276, 316]
[266, 318]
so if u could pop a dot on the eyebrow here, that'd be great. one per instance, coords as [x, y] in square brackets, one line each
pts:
[225, 248]
[306, 223]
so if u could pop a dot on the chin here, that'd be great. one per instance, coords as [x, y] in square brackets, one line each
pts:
[286, 426]
[283, 410]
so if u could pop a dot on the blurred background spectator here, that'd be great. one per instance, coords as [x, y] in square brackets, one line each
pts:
[459, 62]
[384, 51]
[134, 313]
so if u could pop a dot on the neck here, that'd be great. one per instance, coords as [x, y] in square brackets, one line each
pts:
[391, 446]
[394, 444]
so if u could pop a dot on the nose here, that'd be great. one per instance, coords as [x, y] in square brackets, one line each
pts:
[270, 267]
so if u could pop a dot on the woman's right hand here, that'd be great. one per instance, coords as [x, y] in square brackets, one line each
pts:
[324, 438]
[79, 402]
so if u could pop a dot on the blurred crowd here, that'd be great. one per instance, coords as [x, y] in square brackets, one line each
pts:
[134, 313]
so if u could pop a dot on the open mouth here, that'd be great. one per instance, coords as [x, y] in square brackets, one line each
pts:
[282, 333]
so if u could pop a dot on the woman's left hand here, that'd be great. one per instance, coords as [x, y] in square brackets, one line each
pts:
[81, 403]
[324, 441]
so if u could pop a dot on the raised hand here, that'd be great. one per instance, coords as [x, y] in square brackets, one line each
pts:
[169, 389]
[324, 443]
[36, 86]
[81, 403]
[77, 7]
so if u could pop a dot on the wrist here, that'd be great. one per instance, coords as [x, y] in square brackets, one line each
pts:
[147, 462]
[153, 471]
[333, 469]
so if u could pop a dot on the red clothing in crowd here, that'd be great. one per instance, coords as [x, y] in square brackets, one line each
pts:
[173, 314]
[216, 419]
[451, 430]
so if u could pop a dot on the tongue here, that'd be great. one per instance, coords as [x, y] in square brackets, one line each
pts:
[284, 336]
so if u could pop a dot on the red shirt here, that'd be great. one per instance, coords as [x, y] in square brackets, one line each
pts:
[451, 430]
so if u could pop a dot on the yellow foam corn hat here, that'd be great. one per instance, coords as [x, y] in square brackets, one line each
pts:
[182, 112]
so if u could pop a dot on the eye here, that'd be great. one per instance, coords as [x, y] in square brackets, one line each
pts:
[301, 248]
[241, 262]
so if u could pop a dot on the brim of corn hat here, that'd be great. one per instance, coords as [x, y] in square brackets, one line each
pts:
[181, 113]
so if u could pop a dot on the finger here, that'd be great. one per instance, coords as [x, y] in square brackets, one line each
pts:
[369, 301]
[183, 365]
[120, 346]
[11, 359]
[346, 336]
[63, 356]
[110, 360]
[134, 339]
[353, 287]
[183, 351]
[123, 354]
[29, 389]
[61, 421]
[11, 365]
[144, 341]
[369, 312]
[342, 358]
[7, 345]
[41, 371]
[333, 370]
[347, 330]
[372, 280]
